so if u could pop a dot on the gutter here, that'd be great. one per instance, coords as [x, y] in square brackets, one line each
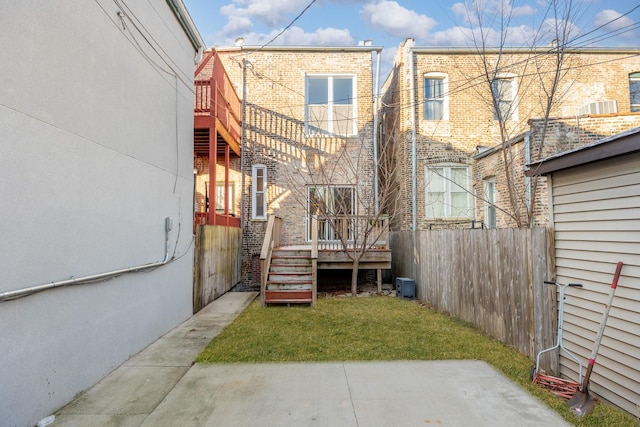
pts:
[517, 50]
[289, 48]
[190, 29]
[19, 293]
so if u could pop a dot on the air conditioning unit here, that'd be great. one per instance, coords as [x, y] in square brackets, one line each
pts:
[405, 287]
[600, 107]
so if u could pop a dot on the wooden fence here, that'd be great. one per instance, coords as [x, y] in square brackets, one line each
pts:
[218, 261]
[491, 278]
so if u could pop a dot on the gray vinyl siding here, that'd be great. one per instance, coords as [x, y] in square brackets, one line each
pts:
[596, 216]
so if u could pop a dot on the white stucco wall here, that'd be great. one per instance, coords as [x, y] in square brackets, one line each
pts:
[95, 151]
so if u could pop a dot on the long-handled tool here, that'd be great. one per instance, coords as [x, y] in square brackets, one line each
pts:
[558, 386]
[581, 402]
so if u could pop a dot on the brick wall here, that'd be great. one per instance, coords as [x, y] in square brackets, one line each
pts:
[275, 137]
[561, 135]
[589, 76]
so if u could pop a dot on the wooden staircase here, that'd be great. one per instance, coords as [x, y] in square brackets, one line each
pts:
[290, 277]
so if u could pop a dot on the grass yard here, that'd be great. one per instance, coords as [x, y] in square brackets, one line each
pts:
[378, 328]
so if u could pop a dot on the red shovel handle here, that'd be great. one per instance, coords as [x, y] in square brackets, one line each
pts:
[614, 284]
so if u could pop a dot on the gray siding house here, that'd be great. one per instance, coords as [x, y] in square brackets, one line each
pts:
[96, 151]
[595, 212]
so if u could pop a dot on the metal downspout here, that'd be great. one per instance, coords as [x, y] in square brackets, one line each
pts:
[376, 95]
[527, 160]
[414, 184]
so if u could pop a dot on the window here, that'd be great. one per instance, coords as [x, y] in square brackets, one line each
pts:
[331, 204]
[435, 97]
[634, 91]
[504, 98]
[448, 193]
[330, 108]
[220, 196]
[489, 203]
[259, 192]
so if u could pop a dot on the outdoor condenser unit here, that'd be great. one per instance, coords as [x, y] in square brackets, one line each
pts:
[405, 287]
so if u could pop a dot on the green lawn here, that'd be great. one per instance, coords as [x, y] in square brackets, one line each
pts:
[377, 328]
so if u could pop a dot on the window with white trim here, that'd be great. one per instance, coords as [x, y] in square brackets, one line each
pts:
[436, 99]
[259, 192]
[634, 91]
[448, 192]
[504, 91]
[489, 203]
[330, 105]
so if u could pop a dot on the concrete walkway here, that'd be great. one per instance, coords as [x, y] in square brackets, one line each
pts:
[160, 387]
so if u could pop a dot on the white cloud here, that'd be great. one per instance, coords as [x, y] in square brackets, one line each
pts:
[470, 9]
[464, 36]
[395, 20]
[295, 36]
[269, 12]
[612, 20]
[237, 25]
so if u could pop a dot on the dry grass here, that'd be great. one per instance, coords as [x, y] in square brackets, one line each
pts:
[378, 328]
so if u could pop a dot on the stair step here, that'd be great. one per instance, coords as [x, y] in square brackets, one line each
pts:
[290, 268]
[291, 261]
[304, 281]
[288, 278]
[305, 253]
[288, 286]
[296, 257]
[288, 297]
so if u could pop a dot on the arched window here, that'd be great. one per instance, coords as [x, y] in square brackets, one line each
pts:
[448, 191]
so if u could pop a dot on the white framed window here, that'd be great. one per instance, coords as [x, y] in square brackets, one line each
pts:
[489, 189]
[332, 204]
[448, 192]
[330, 105]
[634, 91]
[259, 192]
[504, 91]
[436, 99]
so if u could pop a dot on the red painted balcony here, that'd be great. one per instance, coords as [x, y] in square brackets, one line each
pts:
[217, 136]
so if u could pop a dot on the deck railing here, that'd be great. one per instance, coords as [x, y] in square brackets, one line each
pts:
[271, 241]
[217, 97]
[360, 231]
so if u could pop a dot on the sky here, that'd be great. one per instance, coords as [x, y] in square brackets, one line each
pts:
[602, 23]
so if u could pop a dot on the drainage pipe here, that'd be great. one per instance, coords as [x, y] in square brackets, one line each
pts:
[375, 134]
[414, 208]
[19, 293]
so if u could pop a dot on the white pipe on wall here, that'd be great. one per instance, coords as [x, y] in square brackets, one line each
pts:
[19, 293]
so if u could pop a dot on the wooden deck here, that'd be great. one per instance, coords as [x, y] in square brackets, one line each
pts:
[289, 273]
[336, 259]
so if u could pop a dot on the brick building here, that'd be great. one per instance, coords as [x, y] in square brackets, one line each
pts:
[307, 134]
[457, 160]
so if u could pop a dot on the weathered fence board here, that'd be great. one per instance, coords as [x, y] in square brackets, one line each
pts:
[491, 278]
[218, 260]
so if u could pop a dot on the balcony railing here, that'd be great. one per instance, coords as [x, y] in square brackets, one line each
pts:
[359, 231]
[217, 98]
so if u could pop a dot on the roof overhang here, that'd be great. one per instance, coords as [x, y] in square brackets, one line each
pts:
[292, 48]
[182, 15]
[617, 145]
